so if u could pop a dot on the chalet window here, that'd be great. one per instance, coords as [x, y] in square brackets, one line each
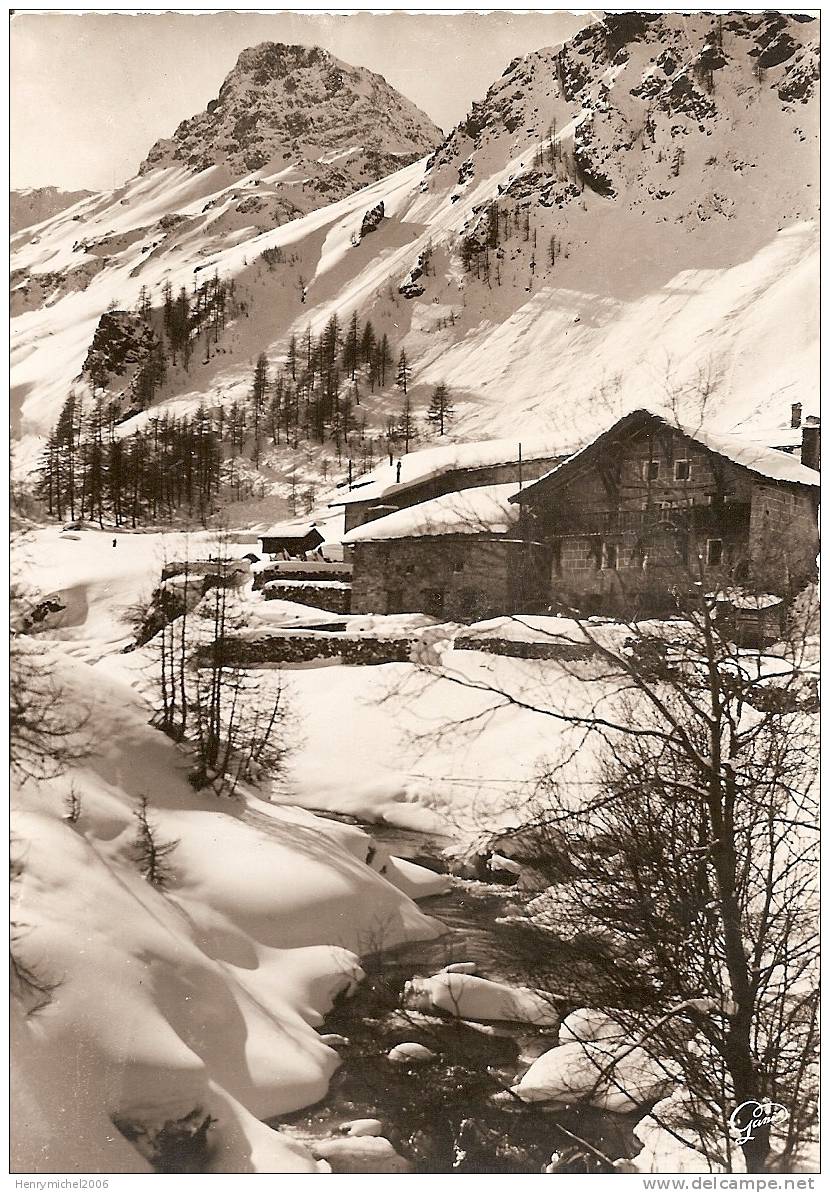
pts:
[651, 470]
[610, 557]
[434, 602]
[714, 552]
[682, 470]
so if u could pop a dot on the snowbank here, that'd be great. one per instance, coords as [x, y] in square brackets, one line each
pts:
[202, 997]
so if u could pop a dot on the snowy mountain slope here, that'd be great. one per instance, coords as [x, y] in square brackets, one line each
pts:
[34, 205]
[632, 214]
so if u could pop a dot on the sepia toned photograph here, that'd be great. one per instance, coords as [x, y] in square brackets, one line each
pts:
[414, 623]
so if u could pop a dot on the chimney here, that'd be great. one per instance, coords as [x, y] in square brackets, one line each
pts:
[795, 415]
[811, 443]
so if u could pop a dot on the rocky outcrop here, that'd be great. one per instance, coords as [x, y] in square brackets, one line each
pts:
[122, 342]
[372, 219]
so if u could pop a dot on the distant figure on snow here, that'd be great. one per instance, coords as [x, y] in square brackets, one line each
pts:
[115, 542]
[398, 473]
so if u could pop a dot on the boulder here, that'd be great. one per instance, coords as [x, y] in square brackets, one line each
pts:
[470, 997]
[588, 1023]
[362, 1154]
[410, 1053]
[619, 1080]
[361, 1127]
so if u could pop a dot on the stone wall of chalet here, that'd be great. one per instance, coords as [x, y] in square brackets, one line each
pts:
[451, 577]
[783, 536]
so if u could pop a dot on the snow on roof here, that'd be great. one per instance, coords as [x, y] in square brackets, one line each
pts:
[765, 461]
[739, 598]
[424, 465]
[470, 511]
[289, 530]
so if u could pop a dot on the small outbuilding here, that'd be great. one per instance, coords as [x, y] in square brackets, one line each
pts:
[290, 540]
[455, 557]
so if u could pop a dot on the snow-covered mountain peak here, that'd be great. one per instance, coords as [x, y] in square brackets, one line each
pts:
[298, 106]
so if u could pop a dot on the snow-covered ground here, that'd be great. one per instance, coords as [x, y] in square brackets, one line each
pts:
[425, 748]
[199, 999]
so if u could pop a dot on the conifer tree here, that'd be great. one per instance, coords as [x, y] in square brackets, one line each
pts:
[351, 347]
[150, 854]
[440, 410]
[404, 372]
[367, 343]
[406, 429]
[291, 363]
[384, 359]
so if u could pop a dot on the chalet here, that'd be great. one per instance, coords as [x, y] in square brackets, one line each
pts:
[290, 540]
[650, 505]
[455, 557]
[424, 475]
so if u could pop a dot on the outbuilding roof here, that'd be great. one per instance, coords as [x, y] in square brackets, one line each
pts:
[417, 467]
[290, 531]
[482, 510]
[768, 462]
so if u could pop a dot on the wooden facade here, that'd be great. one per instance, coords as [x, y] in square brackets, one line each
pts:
[647, 508]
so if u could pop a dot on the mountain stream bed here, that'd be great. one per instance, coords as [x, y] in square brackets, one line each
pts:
[440, 1116]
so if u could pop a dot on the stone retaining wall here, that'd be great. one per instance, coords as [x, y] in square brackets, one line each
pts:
[309, 571]
[527, 650]
[296, 647]
[336, 598]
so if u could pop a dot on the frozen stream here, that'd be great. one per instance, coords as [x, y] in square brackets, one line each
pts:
[440, 1115]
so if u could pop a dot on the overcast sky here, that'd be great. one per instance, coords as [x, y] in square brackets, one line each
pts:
[91, 92]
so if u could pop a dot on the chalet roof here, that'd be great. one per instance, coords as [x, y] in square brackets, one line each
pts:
[290, 531]
[768, 462]
[418, 467]
[483, 510]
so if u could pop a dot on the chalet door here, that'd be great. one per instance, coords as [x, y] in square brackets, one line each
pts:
[529, 579]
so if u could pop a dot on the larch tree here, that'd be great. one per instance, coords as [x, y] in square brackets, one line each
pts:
[440, 410]
[404, 372]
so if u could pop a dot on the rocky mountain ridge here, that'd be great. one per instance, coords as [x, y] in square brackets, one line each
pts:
[628, 217]
[33, 205]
